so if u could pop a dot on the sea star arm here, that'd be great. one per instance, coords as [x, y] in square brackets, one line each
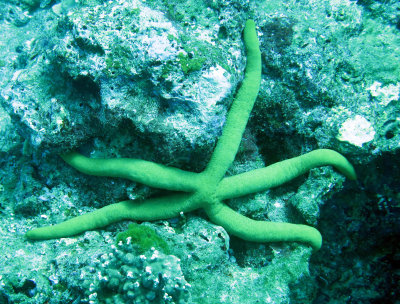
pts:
[148, 210]
[262, 231]
[282, 172]
[137, 170]
[228, 144]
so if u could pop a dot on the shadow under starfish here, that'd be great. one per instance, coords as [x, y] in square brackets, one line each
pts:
[209, 188]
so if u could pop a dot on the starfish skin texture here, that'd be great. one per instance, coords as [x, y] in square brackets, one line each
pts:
[209, 188]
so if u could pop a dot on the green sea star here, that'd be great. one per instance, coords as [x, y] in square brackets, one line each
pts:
[209, 188]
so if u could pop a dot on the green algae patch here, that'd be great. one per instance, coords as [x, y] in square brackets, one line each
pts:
[143, 237]
[190, 64]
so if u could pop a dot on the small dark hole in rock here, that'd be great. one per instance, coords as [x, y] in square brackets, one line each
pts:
[389, 134]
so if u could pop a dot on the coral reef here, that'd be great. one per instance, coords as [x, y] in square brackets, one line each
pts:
[154, 80]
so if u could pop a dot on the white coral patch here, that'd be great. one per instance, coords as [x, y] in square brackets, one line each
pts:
[357, 131]
[385, 94]
[217, 85]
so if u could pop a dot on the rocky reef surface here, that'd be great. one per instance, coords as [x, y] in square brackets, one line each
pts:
[154, 80]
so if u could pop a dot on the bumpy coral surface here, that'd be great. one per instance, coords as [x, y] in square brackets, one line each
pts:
[126, 276]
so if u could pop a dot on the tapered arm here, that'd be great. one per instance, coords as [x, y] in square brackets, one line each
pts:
[261, 231]
[149, 210]
[239, 113]
[282, 172]
[137, 170]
